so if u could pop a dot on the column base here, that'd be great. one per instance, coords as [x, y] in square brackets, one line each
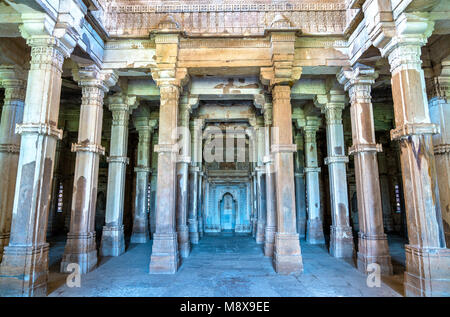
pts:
[193, 231]
[269, 242]
[260, 231]
[82, 250]
[24, 271]
[341, 242]
[165, 257]
[374, 249]
[287, 257]
[113, 242]
[314, 232]
[427, 272]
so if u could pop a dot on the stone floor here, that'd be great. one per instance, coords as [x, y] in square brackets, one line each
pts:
[225, 266]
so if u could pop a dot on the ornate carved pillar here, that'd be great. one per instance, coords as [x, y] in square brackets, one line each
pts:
[81, 246]
[314, 225]
[153, 183]
[427, 259]
[195, 180]
[287, 256]
[372, 242]
[385, 193]
[113, 242]
[341, 237]
[140, 233]
[12, 79]
[24, 268]
[439, 104]
[183, 170]
[271, 220]
[300, 191]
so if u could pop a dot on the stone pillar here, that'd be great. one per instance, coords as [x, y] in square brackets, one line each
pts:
[439, 105]
[300, 191]
[194, 180]
[341, 237]
[287, 256]
[113, 242]
[314, 225]
[385, 187]
[203, 203]
[153, 184]
[254, 202]
[81, 243]
[165, 255]
[140, 233]
[427, 259]
[55, 191]
[183, 170]
[271, 220]
[260, 182]
[372, 241]
[24, 268]
[12, 80]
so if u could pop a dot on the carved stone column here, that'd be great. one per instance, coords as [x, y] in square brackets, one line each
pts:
[194, 180]
[24, 268]
[372, 242]
[287, 256]
[427, 259]
[300, 191]
[165, 256]
[140, 233]
[183, 170]
[12, 80]
[388, 222]
[260, 182]
[153, 184]
[81, 245]
[314, 225]
[203, 201]
[341, 237]
[113, 242]
[439, 105]
[271, 217]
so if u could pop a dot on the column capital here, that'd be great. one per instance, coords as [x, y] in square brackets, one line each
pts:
[439, 86]
[312, 125]
[121, 106]
[358, 75]
[170, 77]
[93, 76]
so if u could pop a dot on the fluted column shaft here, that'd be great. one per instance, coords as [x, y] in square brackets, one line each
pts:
[81, 245]
[12, 81]
[24, 268]
[113, 242]
[314, 225]
[427, 259]
[341, 237]
[287, 256]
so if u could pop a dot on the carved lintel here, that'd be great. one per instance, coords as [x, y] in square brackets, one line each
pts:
[359, 148]
[410, 129]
